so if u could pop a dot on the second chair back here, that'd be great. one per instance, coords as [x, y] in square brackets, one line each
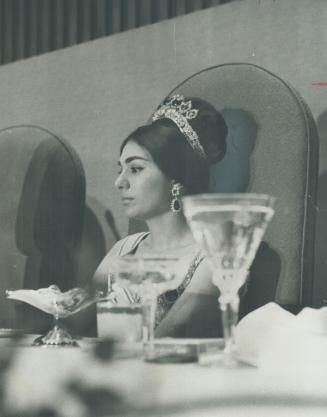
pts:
[272, 148]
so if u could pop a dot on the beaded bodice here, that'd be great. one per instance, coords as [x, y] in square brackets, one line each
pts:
[167, 300]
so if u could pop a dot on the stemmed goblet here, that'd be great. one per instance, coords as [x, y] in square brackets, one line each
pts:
[229, 227]
[144, 279]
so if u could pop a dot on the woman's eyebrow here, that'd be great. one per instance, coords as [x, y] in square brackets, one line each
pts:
[132, 158]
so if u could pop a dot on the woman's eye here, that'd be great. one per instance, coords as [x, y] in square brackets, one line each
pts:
[135, 170]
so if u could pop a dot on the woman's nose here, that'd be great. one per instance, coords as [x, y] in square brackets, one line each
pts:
[121, 182]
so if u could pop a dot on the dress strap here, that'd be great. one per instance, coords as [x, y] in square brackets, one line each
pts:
[131, 242]
[124, 247]
[195, 263]
[166, 300]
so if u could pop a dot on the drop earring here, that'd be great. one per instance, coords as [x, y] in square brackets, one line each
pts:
[176, 203]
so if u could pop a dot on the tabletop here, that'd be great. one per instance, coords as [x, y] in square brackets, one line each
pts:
[38, 376]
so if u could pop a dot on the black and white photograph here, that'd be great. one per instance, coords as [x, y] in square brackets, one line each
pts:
[163, 208]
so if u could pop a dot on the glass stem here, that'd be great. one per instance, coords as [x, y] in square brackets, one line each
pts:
[149, 316]
[56, 315]
[229, 312]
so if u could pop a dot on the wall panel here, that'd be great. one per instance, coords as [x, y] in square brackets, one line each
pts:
[32, 27]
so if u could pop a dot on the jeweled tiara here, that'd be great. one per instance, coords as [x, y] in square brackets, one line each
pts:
[180, 111]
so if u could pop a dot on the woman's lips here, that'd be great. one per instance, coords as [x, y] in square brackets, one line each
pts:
[127, 200]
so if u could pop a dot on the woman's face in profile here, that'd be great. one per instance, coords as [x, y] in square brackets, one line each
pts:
[145, 191]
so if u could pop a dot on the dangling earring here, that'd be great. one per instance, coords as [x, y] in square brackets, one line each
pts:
[176, 203]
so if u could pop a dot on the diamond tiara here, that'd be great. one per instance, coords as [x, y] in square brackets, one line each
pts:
[180, 111]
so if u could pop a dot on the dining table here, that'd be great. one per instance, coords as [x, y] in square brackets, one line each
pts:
[38, 377]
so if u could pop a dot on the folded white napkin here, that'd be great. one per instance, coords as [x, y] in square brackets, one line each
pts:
[272, 338]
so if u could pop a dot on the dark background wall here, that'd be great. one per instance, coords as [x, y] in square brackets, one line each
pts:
[32, 27]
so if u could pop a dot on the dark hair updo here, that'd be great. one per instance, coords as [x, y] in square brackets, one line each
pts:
[174, 155]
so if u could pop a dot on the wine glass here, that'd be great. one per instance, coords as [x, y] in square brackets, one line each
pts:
[60, 305]
[144, 279]
[230, 228]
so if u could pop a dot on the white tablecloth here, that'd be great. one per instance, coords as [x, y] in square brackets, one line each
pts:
[174, 389]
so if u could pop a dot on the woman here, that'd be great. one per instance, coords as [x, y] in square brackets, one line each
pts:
[159, 163]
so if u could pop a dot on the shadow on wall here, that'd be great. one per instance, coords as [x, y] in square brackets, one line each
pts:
[320, 282]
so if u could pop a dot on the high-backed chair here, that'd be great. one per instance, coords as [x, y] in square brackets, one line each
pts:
[42, 188]
[272, 148]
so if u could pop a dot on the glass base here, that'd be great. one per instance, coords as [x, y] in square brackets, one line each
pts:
[221, 358]
[149, 351]
[56, 337]
[230, 359]
[219, 361]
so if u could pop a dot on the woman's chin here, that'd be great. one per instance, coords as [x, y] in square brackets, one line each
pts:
[131, 214]
[128, 214]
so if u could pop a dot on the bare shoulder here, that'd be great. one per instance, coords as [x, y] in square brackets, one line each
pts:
[121, 247]
[201, 282]
[101, 274]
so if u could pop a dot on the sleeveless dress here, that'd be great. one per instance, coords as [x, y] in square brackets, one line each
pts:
[129, 245]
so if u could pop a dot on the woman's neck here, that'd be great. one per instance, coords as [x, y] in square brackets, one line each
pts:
[168, 231]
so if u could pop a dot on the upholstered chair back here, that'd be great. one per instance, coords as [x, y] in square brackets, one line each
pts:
[42, 189]
[272, 148]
